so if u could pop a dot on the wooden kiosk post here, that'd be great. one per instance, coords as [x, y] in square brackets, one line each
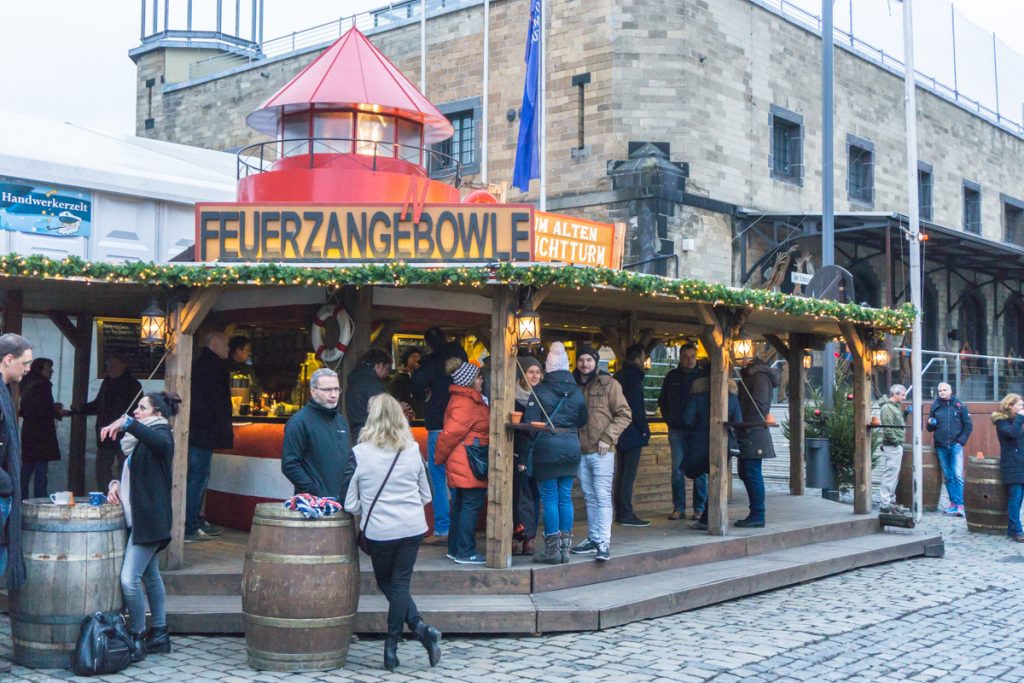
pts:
[793, 353]
[861, 418]
[80, 336]
[182, 326]
[716, 342]
[503, 394]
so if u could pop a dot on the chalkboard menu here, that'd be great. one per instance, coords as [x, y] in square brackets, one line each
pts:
[121, 335]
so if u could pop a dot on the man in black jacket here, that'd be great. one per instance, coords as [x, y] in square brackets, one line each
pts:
[209, 428]
[116, 397]
[365, 381]
[675, 392]
[633, 439]
[430, 384]
[317, 452]
[950, 421]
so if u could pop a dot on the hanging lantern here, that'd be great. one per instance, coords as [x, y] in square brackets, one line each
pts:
[880, 358]
[528, 326]
[153, 329]
[808, 360]
[742, 349]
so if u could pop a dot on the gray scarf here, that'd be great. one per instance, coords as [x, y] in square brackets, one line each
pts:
[129, 442]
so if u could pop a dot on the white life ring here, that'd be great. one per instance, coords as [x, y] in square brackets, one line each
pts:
[325, 351]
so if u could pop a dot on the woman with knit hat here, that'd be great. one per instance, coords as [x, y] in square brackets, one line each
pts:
[555, 455]
[529, 374]
[467, 422]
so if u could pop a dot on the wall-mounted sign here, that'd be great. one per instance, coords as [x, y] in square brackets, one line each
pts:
[121, 336]
[28, 206]
[572, 240]
[468, 233]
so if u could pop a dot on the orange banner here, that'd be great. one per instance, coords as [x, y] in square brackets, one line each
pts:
[566, 239]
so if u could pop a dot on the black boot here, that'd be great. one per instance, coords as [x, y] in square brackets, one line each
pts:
[138, 646]
[158, 641]
[391, 653]
[430, 637]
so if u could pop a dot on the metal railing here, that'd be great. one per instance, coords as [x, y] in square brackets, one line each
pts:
[974, 377]
[265, 156]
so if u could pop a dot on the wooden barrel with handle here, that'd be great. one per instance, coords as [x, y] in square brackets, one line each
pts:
[300, 590]
[985, 496]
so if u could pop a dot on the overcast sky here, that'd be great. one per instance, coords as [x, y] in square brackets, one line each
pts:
[68, 59]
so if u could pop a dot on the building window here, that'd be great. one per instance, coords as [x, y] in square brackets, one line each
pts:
[924, 190]
[462, 146]
[785, 158]
[972, 207]
[860, 183]
[1013, 220]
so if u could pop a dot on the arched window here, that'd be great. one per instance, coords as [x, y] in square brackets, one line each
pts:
[972, 324]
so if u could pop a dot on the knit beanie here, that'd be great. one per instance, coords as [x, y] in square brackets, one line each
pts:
[525, 363]
[465, 374]
[557, 358]
[587, 350]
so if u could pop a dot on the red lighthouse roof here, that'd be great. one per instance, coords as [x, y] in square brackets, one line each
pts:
[352, 74]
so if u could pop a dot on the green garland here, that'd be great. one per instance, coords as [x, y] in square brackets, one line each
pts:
[402, 274]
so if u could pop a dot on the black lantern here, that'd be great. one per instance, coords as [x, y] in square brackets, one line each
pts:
[528, 326]
[153, 328]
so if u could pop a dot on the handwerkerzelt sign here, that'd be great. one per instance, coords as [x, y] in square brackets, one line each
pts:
[468, 233]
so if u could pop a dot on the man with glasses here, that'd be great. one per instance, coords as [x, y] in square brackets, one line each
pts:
[317, 453]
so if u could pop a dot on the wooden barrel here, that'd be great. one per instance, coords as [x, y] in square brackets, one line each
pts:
[931, 478]
[73, 556]
[300, 590]
[985, 496]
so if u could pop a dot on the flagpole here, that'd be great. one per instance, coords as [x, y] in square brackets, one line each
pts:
[423, 46]
[543, 107]
[487, 67]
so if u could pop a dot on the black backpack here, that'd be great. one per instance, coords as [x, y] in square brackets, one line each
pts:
[104, 646]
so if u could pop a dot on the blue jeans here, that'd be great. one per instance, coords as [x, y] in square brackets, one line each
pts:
[198, 477]
[142, 567]
[750, 473]
[466, 504]
[38, 470]
[1014, 498]
[951, 460]
[677, 444]
[5, 512]
[596, 474]
[439, 484]
[556, 503]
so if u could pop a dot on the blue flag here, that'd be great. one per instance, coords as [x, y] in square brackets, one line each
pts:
[528, 148]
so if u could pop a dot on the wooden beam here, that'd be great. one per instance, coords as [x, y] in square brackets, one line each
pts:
[359, 303]
[781, 347]
[501, 461]
[542, 293]
[79, 397]
[71, 332]
[861, 418]
[716, 343]
[195, 310]
[13, 302]
[797, 378]
[388, 328]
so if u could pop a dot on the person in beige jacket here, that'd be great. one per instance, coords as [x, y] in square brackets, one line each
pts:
[608, 416]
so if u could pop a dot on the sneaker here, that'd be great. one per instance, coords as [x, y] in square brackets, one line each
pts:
[633, 520]
[602, 552]
[450, 556]
[697, 514]
[960, 511]
[212, 529]
[699, 526]
[676, 514]
[585, 548]
[471, 559]
[749, 523]
[199, 535]
[951, 510]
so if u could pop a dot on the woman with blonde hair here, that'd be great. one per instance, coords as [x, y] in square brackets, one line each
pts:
[389, 489]
[1009, 422]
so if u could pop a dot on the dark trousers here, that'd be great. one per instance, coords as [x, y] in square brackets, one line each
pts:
[466, 504]
[109, 461]
[392, 568]
[750, 474]
[626, 464]
[524, 505]
[36, 471]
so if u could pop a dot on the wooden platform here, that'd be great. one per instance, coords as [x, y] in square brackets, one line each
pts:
[654, 571]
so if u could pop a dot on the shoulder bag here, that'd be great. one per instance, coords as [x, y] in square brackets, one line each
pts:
[477, 457]
[104, 645]
[361, 539]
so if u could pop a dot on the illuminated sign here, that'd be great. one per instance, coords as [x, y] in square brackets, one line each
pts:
[28, 206]
[572, 240]
[469, 233]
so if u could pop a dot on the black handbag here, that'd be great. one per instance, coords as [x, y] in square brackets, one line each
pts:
[477, 457]
[361, 539]
[104, 645]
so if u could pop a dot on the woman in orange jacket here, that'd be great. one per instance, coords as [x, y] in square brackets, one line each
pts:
[466, 422]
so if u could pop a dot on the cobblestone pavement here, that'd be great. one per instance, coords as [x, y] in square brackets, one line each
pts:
[956, 619]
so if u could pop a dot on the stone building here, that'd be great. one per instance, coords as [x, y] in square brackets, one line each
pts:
[698, 124]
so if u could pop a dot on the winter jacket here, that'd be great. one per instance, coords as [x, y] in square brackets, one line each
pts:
[10, 486]
[553, 455]
[891, 414]
[317, 453]
[952, 422]
[399, 509]
[38, 420]
[363, 384]
[430, 384]
[150, 497]
[1011, 447]
[637, 434]
[467, 420]
[758, 381]
[209, 422]
[115, 398]
[608, 413]
[675, 390]
[696, 420]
